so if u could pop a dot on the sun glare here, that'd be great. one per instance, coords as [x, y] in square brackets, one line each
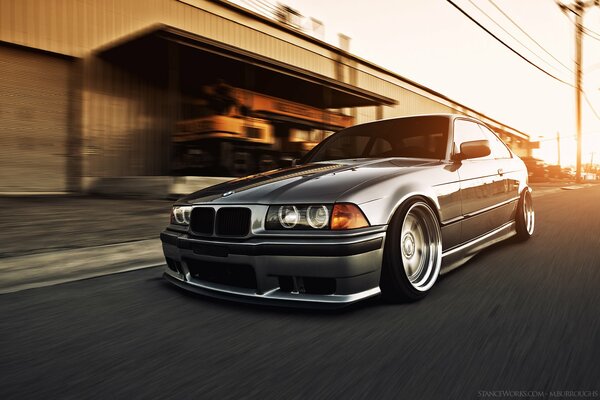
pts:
[590, 150]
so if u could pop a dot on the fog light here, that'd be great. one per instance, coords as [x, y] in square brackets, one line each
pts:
[288, 216]
[181, 215]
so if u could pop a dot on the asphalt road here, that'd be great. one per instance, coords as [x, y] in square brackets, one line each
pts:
[518, 317]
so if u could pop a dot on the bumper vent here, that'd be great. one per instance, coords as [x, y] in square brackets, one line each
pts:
[202, 221]
[233, 221]
[307, 285]
[238, 275]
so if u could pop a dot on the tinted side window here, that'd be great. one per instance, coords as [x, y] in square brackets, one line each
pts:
[499, 149]
[467, 131]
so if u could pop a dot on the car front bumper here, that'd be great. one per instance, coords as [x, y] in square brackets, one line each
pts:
[329, 271]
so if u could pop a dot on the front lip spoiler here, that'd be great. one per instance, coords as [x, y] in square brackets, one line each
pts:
[273, 297]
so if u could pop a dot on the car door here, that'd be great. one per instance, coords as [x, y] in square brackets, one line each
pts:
[509, 169]
[481, 185]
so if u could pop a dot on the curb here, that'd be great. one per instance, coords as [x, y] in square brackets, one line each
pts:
[46, 269]
[545, 190]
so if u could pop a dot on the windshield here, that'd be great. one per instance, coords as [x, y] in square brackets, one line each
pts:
[416, 137]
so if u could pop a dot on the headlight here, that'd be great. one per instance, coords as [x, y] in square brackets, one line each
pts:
[298, 217]
[180, 215]
[317, 216]
[341, 216]
[288, 216]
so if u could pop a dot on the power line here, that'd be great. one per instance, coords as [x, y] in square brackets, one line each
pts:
[591, 31]
[585, 31]
[578, 8]
[507, 46]
[522, 56]
[588, 33]
[587, 100]
[528, 35]
[510, 34]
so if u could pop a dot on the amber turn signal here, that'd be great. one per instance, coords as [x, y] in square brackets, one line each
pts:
[347, 216]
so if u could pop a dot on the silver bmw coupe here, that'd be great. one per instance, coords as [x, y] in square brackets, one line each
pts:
[378, 208]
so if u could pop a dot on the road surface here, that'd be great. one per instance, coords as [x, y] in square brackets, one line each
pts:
[517, 321]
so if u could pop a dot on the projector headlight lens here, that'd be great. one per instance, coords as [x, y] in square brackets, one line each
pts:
[317, 216]
[288, 216]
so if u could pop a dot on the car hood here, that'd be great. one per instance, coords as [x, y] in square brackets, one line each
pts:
[322, 182]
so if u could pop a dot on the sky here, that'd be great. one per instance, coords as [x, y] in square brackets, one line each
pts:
[432, 43]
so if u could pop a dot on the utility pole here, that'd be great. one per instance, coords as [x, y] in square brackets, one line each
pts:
[578, 8]
[578, 33]
[558, 146]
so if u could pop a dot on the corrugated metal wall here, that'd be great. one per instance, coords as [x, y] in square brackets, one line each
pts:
[127, 123]
[76, 27]
[34, 121]
[125, 129]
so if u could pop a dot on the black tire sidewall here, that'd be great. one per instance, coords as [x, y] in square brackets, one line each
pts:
[394, 283]
[520, 222]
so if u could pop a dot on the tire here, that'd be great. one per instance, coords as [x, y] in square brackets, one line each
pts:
[412, 254]
[525, 217]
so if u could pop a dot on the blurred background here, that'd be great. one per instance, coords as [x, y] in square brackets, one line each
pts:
[109, 109]
[160, 97]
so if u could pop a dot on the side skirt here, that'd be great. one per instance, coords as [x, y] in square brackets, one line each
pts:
[459, 255]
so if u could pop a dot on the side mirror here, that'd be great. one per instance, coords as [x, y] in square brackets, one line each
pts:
[287, 162]
[474, 149]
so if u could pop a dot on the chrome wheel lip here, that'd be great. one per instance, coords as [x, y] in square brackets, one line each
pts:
[528, 213]
[421, 246]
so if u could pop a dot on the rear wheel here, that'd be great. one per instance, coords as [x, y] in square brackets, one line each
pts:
[525, 217]
[412, 253]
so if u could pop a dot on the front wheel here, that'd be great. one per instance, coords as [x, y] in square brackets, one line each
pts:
[525, 217]
[412, 254]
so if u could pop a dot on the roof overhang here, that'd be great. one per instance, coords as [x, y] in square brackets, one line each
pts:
[163, 55]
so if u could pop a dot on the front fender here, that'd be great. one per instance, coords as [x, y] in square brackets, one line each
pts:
[380, 211]
[380, 200]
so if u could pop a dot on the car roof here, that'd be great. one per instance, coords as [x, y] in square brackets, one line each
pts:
[446, 115]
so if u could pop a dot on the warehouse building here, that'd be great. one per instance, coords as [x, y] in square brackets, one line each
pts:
[94, 92]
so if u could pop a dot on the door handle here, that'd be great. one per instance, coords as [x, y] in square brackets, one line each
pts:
[500, 171]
